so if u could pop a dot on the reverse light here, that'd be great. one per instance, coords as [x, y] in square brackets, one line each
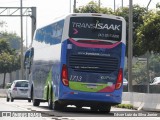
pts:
[119, 79]
[64, 75]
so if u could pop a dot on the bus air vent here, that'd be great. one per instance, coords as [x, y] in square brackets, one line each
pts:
[95, 64]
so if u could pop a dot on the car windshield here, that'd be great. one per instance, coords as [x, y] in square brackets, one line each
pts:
[21, 84]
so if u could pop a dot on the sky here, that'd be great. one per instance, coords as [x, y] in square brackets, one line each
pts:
[49, 10]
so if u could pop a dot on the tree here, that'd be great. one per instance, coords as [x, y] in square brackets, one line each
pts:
[149, 33]
[8, 59]
[138, 13]
[2, 23]
[93, 7]
[12, 39]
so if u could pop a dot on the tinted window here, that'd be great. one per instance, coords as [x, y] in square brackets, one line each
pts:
[21, 84]
[95, 28]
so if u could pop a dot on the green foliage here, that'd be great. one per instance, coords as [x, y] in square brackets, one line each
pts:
[140, 73]
[127, 106]
[93, 7]
[9, 61]
[149, 33]
[154, 65]
[12, 39]
[138, 13]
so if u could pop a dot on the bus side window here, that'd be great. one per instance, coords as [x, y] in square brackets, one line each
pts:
[28, 58]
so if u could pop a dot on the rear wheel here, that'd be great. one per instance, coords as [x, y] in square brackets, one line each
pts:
[36, 102]
[58, 106]
[79, 106]
[94, 109]
[105, 109]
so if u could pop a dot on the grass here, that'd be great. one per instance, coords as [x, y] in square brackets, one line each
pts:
[127, 106]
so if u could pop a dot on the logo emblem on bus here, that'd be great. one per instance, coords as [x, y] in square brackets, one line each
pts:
[75, 31]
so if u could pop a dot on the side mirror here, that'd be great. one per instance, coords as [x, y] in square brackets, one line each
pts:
[8, 85]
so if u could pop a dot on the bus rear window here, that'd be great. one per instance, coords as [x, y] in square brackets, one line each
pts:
[95, 28]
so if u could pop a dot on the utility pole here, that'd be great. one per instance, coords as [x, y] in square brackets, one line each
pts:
[70, 7]
[130, 47]
[148, 79]
[20, 12]
[99, 4]
[114, 5]
[122, 4]
[22, 64]
[74, 6]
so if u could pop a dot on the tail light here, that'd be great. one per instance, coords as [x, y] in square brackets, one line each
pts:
[15, 89]
[119, 79]
[65, 75]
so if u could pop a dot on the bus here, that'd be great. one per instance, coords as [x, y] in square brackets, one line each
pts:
[78, 60]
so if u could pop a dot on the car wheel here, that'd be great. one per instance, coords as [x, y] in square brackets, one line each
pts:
[12, 99]
[29, 100]
[7, 99]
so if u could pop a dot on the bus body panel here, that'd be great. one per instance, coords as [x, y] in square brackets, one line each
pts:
[92, 68]
[88, 87]
[46, 63]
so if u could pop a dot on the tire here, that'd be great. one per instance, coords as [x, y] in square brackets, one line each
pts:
[94, 109]
[78, 106]
[12, 99]
[29, 100]
[50, 102]
[58, 106]
[36, 102]
[105, 109]
[7, 99]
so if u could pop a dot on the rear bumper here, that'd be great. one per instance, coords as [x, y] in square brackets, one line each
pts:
[21, 98]
[72, 97]
[85, 103]
[16, 96]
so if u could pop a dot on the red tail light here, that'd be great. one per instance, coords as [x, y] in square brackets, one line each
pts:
[65, 75]
[119, 79]
[15, 89]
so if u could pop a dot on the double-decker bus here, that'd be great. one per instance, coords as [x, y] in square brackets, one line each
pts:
[78, 60]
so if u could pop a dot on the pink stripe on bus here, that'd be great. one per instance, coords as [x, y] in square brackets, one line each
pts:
[93, 45]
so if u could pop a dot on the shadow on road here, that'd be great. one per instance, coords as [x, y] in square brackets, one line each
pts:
[73, 112]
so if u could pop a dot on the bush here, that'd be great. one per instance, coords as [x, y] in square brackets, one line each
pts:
[127, 106]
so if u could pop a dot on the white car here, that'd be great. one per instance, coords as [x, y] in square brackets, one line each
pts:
[18, 90]
[156, 81]
[125, 82]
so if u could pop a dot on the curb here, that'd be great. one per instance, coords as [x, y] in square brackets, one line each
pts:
[142, 101]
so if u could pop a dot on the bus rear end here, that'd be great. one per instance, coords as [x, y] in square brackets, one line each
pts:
[93, 53]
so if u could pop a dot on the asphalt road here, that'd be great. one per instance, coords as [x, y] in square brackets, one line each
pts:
[23, 108]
